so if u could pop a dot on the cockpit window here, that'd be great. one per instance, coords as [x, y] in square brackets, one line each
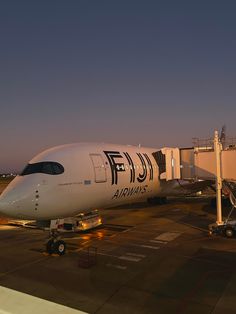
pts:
[47, 167]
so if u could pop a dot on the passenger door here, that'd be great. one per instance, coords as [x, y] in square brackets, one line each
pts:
[99, 168]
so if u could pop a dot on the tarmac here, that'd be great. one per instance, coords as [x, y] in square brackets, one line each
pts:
[143, 259]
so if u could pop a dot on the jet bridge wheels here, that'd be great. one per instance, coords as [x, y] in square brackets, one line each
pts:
[229, 232]
[54, 246]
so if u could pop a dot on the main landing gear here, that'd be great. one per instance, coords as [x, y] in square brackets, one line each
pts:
[55, 245]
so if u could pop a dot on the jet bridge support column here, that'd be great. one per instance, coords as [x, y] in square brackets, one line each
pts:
[218, 149]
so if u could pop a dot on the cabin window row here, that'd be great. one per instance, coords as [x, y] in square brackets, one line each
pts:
[127, 167]
[137, 167]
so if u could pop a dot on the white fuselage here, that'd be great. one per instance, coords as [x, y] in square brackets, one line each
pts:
[94, 176]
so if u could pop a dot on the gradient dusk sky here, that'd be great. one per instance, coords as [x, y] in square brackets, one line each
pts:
[151, 72]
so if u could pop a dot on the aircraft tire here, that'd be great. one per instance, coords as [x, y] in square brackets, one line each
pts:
[60, 247]
[50, 246]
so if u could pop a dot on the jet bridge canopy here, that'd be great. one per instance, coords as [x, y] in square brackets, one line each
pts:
[198, 163]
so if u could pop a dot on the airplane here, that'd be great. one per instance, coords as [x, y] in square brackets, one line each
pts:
[67, 180]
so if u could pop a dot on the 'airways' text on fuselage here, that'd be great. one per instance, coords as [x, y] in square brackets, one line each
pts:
[125, 192]
[117, 164]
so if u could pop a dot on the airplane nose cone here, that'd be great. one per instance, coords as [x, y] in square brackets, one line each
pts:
[15, 200]
[10, 208]
[13, 207]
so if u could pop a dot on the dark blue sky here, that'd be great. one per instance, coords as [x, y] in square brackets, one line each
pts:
[151, 72]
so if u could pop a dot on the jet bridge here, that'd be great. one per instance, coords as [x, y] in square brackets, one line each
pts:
[206, 160]
[199, 163]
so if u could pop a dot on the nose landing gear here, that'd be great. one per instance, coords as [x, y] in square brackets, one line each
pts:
[55, 245]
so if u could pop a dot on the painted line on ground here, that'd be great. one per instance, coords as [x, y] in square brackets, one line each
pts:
[140, 231]
[130, 258]
[159, 242]
[195, 227]
[135, 254]
[110, 255]
[168, 236]
[147, 246]
[117, 266]
[150, 247]
[126, 230]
